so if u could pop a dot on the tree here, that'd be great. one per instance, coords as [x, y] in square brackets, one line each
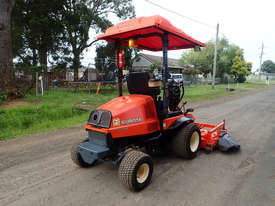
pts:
[6, 64]
[203, 60]
[36, 31]
[155, 66]
[268, 66]
[37, 37]
[79, 16]
[226, 53]
[191, 71]
[105, 60]
[240, 68]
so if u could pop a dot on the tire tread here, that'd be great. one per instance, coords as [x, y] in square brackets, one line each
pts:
[127, 167]
[180, 141]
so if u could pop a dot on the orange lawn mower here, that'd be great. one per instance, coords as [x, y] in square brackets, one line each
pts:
[120, 129]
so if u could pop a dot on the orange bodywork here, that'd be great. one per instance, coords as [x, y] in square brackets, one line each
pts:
[167, 122]
[132, 115]
[146, 33]
[136, 114]
[210, 134]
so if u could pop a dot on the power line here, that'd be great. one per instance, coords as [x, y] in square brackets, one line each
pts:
[174, 12]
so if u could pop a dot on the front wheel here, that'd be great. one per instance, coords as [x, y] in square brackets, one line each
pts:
[187, 141]
[135, 170]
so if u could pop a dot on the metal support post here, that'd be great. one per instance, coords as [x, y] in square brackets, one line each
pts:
[119, 72]
[165, 74]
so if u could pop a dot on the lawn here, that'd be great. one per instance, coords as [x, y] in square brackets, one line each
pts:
[202, 93]
[51, 111]
[56, 108]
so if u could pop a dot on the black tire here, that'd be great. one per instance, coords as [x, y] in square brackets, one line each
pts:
[182, 144]
[77, 159]
[133, 163]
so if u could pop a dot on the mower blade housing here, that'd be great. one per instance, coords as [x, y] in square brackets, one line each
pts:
[227, 144]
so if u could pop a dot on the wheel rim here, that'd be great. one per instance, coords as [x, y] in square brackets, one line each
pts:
[194, 141]
[143, 173]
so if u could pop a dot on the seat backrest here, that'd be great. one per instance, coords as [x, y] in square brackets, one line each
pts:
[137, 82]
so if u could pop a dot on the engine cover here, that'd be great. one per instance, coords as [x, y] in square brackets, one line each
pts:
[131, 115]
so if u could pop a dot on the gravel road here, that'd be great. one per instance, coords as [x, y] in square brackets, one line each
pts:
[37, 170]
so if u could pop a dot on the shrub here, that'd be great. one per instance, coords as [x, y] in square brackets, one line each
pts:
[3, 97]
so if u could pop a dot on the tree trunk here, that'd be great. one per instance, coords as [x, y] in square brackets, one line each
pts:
[7, 80]
[76, 65]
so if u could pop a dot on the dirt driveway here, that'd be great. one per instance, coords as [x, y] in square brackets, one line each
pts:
[37, 170]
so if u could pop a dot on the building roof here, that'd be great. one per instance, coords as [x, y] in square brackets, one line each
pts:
[172, 63]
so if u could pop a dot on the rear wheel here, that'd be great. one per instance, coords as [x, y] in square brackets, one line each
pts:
[187, 141]
[135, 170]
[76, 157]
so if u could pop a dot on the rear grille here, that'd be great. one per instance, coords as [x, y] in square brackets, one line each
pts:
[100, 118]
[105, 118]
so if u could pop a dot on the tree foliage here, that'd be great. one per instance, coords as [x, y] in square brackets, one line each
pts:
[191, 71]
[203, 60]
[268, 66]
[58, 31]
[155, 67]
[240, 68]
[36, 31]
[78, 17]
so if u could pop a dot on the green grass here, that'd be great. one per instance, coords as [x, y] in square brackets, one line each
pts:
[56, 109]
[52, 111]
[202, 93]
[242, 85]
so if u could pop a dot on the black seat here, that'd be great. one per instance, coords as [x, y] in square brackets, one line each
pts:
[137, 83]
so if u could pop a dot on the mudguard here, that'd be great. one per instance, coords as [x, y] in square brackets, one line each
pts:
[181, 121]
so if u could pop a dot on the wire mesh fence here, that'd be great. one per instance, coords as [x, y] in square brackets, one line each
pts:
[195, 80]
[91, 80]
[262, 78]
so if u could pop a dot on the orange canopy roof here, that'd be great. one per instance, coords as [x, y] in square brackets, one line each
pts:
[148, 32]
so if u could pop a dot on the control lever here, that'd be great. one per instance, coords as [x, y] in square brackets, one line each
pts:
[188, 110]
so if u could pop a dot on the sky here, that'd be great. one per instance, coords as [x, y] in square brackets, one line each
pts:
[245, 23]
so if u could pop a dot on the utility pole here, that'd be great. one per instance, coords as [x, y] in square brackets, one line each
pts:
[261, 58]
[215, 58]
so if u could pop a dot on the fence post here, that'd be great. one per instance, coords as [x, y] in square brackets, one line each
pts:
[98, 88]
[36, 83]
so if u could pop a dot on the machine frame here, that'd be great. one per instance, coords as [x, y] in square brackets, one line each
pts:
[122, 127]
